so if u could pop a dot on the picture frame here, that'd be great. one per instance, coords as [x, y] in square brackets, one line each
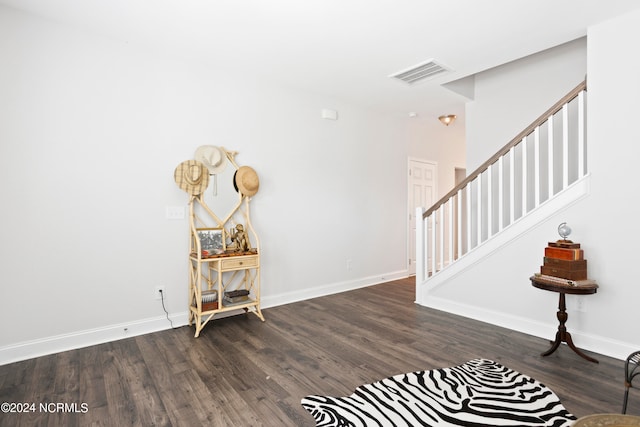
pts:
[212, 241]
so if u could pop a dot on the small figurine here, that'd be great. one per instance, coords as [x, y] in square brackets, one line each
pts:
[239, 238]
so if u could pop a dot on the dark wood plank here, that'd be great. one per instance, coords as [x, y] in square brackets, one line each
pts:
[127, 375]
[92, 389]
[241, 371]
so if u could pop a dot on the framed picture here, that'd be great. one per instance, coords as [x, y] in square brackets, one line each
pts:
[211, 241]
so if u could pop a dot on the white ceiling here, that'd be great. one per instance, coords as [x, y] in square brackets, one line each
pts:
[343, 48]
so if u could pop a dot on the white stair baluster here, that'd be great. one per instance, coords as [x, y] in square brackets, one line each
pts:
[565, 146]
[512, 185]
[500, 194]
[550, 155]
[479, 210]
[468, 192]
[489, 201]
[581, 168]
[441, 238]
[450, 226]
[459, 220]
[433, 242]
[536, 166]
[524, 176]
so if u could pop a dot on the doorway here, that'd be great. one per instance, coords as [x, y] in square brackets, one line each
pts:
[423, 184]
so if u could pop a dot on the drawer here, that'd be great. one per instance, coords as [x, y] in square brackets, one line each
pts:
[239, 263]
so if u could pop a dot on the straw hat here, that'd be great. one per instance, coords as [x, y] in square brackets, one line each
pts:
[246, 181]
[192, 176]
[214, 158]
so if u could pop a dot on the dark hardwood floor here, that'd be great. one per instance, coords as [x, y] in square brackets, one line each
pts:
[242, 372]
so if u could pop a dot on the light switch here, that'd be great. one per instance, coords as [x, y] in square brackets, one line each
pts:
[329, 114]
[174, 212]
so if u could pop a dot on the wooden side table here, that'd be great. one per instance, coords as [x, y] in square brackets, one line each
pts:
[563, 287]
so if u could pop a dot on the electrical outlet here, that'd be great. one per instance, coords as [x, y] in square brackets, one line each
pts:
[160, 293]
[348, 265]
[577, 303]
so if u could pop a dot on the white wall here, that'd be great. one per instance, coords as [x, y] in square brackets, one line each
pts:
[510, 97]
[614, 149]
[605, 222]
[92, 129]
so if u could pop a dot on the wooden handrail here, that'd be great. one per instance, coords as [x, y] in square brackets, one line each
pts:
[504, 150]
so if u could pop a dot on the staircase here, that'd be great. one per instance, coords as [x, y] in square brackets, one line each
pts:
[539, 172]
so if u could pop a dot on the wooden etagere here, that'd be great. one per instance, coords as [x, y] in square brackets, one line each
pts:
[212, 276]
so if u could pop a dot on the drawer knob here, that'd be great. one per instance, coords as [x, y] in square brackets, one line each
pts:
[240, 262]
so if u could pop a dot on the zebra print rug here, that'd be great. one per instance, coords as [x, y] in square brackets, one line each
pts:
[477, 393]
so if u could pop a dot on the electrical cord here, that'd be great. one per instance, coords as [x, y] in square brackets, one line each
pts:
[165, 309]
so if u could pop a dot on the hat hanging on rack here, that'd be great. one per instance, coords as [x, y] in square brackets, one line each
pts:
[192, 176]
[214, 158]
[246, 181]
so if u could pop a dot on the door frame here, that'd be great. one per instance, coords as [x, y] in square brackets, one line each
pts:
[411, 210]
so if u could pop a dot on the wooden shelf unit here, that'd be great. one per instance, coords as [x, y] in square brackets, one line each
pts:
[231, 270]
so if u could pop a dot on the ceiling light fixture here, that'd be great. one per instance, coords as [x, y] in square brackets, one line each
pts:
[448, 119]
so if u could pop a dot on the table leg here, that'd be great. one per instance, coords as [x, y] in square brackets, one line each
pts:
[562, 335]
[569, 342]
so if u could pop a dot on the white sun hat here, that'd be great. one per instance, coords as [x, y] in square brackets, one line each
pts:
[214, 158]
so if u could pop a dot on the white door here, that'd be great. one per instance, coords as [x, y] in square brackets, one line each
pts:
[422, 180]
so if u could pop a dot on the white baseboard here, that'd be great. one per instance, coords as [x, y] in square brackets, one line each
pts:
[598, 344]
[334, 288]
[85, 338]
[58, 343]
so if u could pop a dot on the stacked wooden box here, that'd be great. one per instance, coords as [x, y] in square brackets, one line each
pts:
[564, 259]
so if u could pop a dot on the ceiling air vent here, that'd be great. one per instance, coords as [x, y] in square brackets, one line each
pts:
[420, 72]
